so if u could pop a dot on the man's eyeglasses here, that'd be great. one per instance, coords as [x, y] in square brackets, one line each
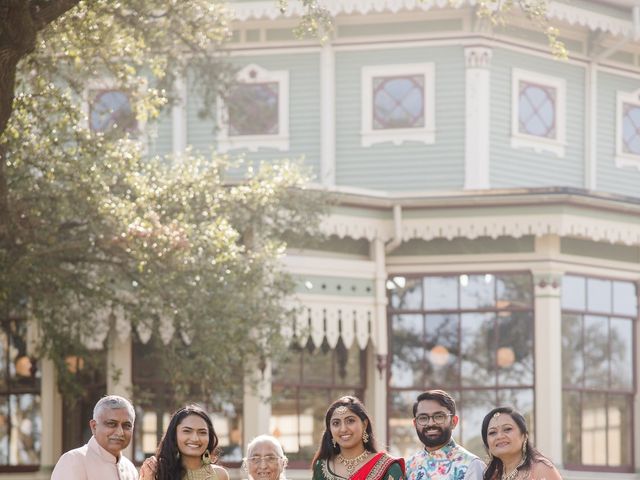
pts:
[438, 418]
[268, 459]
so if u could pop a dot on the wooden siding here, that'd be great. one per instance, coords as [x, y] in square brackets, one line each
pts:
[304, 110]
[410, 166]
[511, 167]
[610, 178]
[160, 134]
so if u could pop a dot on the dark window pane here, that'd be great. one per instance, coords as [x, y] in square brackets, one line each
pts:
[402, 434]
[574, 293]
[285, 423]
[5, 422]
[596, 351]
[26, 425]
[317, 367]
[473, 405]
[253, 109]
[288, 369]
[348, 365]
[477, 349]
[4, 340]
[514, 291]
[537, 110]
[599, 295]
[409, 296]
[477, 291]
[621, 352]
[572, 356]
[313, 404]
[407, 346]
[398, 102]
[572, 427]
[440, 293]
[443, 346]
[514, 355]
[625, 300]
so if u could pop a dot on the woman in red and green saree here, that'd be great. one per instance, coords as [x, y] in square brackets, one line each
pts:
[348, 448]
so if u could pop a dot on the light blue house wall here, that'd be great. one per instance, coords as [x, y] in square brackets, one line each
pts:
[411, 165]
[304, 110]
[510, 167]
[625, 180]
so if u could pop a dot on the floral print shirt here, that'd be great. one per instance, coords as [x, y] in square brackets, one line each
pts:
[451, 462]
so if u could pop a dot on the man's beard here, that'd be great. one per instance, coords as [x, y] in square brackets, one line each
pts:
[431, 441]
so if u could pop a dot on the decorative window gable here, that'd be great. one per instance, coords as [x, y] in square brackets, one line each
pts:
[628, 130]
[538, 115]
[256, 113]
[398, 104]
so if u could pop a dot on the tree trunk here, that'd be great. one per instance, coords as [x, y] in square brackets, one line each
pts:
[20, 21]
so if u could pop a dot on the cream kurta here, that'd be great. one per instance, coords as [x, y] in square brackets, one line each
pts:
[92, 462]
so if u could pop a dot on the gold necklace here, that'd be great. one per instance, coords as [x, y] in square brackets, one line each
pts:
[513, 473]
[351, 463]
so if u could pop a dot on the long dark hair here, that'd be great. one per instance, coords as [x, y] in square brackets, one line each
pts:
[326, 449]
[531, 453]
[169, 464]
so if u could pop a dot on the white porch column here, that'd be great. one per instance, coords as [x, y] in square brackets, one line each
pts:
[328, 116]
[51, 408]
[256, 404]
[376, 400]
[120, 371]
[548, 363]
[477, 119]
[179, 118]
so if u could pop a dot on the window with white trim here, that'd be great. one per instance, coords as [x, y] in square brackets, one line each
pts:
[538, 119]
[110, 110]
[628, 129]
[256, 112]
[398, 104]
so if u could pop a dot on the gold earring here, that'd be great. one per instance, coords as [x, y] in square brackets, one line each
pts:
[333, 441]
[524, 448]
[206, 458]
[365, 437]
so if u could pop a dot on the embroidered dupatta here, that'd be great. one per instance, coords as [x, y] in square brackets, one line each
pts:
[381, 467]
[377, 467]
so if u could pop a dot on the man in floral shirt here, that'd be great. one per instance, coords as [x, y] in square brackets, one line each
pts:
[434, 416]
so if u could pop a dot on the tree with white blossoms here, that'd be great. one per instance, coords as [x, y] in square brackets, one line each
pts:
[92, 229]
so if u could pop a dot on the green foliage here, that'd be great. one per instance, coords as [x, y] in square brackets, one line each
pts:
[94, 230]
[534, 10]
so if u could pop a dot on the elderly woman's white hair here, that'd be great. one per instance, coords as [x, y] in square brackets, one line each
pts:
[259, 440]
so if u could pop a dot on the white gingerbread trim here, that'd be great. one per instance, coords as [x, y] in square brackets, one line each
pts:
[255, 74]
[492, 226]
[564, 12]
[625, 159]
[335, 317]
[424, 134]
[539, 144]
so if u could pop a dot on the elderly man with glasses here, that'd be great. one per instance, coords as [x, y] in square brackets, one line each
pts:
[434, 416]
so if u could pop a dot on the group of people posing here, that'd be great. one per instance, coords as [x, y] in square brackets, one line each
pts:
[347, 450]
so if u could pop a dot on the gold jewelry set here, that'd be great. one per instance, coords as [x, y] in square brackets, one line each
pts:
[352, 463]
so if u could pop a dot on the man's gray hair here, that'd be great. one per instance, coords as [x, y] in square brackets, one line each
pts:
[113, 402]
